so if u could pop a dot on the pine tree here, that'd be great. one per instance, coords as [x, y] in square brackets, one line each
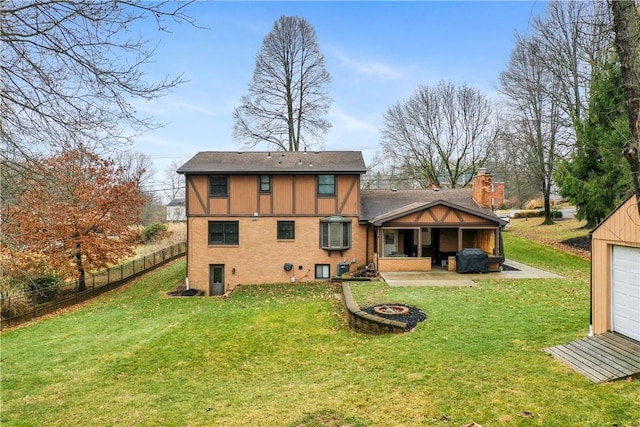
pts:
[595, 179]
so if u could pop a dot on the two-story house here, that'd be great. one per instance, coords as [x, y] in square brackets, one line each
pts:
[269, 217]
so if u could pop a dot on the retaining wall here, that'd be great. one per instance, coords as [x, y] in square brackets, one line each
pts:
[364, 322]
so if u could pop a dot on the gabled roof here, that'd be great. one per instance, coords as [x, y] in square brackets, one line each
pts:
[380, 206]
[630, 219]
[274, 162]
[176, 202]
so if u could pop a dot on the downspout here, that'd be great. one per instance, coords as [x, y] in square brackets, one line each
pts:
[591, 287]
[186, 214]
[366, 252]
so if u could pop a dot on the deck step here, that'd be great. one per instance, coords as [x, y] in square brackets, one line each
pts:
[603, 357]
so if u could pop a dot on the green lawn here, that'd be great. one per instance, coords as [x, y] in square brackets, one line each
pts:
[282, 355]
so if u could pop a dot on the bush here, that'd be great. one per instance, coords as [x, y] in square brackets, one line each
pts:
[44, 288]
[153, 231]
[13, 298]
[528, 214]
[556, 215]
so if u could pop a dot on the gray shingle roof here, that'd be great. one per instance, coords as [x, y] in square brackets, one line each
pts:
[274, 162]
[379, 205]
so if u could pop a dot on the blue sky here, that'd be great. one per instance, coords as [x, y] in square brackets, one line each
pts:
[377, 53]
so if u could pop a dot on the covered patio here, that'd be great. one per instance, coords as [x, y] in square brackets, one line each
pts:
[423, 235]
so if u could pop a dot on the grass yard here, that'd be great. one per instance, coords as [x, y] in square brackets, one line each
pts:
[282, 355]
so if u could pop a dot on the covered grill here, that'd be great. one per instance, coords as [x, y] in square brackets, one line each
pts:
[472, 260]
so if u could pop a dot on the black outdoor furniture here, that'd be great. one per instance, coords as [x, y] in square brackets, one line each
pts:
[472, 260]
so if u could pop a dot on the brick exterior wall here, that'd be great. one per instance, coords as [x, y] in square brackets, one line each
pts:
[498, 194]
[260, 257]
[482, 191]
[404, 264]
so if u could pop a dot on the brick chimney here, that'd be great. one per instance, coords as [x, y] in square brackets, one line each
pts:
[482, 189]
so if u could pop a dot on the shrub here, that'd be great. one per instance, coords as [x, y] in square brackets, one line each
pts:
[13, 298]
[153, 231]
[556, 214]
[44, 288]
[528, 214]
[537, 213]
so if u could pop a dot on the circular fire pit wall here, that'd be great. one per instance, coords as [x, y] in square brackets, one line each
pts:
[391, 310]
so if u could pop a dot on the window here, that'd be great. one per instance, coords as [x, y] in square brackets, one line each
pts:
[335, 233]
[322, 271]
[286, 230]
[218, 186]
[223, 232]
[265, 183]
[326, 185]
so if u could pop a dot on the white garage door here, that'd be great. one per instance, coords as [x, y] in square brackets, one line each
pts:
[625, 283]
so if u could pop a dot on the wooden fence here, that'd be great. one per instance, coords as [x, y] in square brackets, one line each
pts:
[96, 284]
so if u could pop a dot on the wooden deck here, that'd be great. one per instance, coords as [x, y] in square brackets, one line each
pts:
[604, 357]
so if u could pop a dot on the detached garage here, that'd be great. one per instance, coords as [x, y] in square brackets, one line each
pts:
[615, 273]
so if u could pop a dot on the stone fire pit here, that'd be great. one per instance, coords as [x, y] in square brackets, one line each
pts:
[400, 312]
[391, 310]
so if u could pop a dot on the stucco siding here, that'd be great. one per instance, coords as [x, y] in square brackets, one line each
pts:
[305, 191]
[243, 195]
[283, 194]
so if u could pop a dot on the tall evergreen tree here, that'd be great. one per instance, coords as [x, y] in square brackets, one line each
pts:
[595, 179]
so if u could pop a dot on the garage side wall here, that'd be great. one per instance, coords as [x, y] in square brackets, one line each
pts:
[621, 228]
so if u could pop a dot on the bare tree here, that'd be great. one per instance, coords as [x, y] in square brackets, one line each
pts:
[174, 184]
[446, 131]
[70, 71]
[626, 19]
[287, 98]
[508, 164]
[575, 38]
[135, 165]
[536, 124]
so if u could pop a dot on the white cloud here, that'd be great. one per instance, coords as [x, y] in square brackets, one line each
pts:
[349, 123]
[168, 106]
[376, 69]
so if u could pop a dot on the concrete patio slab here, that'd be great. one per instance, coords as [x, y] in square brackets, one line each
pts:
[441, 277]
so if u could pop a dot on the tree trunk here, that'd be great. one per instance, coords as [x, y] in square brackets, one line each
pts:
[626, 25]
[82, 285]
[546, 194]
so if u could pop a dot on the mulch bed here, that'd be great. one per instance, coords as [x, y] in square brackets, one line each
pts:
[583, 243]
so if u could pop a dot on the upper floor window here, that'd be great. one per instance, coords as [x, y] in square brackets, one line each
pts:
[223, 232]
[218, 186]
[286, 230]
[335, 233]
[326, 185]
[265, 183]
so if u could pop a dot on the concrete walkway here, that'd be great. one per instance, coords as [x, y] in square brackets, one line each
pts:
[441, 277]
